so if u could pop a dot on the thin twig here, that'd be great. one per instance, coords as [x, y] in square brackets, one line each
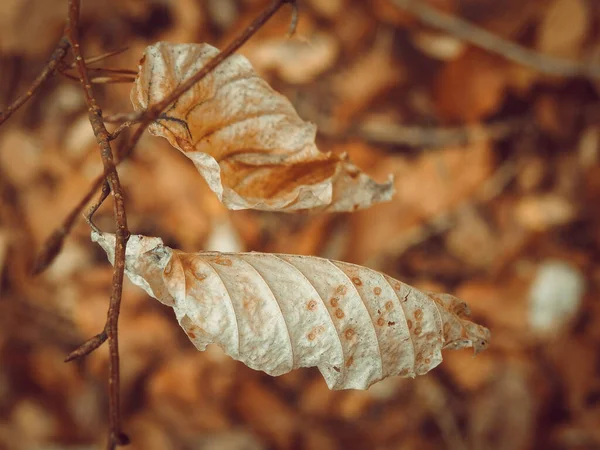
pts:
[53, 244]
[104, 193]
[116, 436]
[113, 79]
[112, 70]
[106, 75]
[122, 117]
[103, 79]
[115, 134]
[88, 347]
[482, 38]
[421, 136]
[95, 59]
[57, 56]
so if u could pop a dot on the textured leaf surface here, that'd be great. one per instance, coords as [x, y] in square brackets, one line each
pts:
[245, 139]
[279, 312]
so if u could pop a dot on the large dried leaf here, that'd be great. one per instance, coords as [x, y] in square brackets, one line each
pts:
[279, 312]
[245, 139]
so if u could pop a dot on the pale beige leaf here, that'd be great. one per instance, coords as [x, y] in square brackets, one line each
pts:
[245, 139]
[278, 312]
[564, 28]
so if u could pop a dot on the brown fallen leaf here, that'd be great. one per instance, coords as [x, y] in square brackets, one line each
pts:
[297, 61]
[278, 312]
[471, 87]
[245, 139]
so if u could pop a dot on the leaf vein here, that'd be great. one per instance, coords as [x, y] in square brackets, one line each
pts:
[410, 339]
[318, 295]
[237, 326]
[335, 265]
[287, 329]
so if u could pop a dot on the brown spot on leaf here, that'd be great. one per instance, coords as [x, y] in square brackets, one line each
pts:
[409, 323]
[357, 281]
[380, 321]
[446, 331]
[199, 276]
[337, 369]
[169, 268]
[397, 285]
[250, 304]
[418, 314]
[311, 305]
[334, 301]
[223, 261]
[191, 335]
[377, 290]
[349, 333]
[341, 289]
[278, 179]
[427, 361]
[418, 331]
[315, 332]
[350, 361]
[390, 324]
[339, 313]
[389, 305]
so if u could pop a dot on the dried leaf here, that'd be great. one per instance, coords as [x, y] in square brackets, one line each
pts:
[471, 87]
[564, 28]
[296, 61]
[280, 312]
[245, 139]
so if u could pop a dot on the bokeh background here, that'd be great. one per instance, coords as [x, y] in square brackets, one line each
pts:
[498, 189]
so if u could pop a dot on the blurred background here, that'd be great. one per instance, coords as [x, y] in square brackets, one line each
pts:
[498, 187]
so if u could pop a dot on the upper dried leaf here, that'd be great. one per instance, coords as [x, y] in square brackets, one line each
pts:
[279, 312]
[245, 139]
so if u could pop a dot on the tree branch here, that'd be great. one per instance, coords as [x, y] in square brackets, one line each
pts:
[57, 57]
[482, 38]
[116, 436]
[53, 245]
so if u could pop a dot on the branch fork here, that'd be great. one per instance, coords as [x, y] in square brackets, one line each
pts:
[109, 179]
